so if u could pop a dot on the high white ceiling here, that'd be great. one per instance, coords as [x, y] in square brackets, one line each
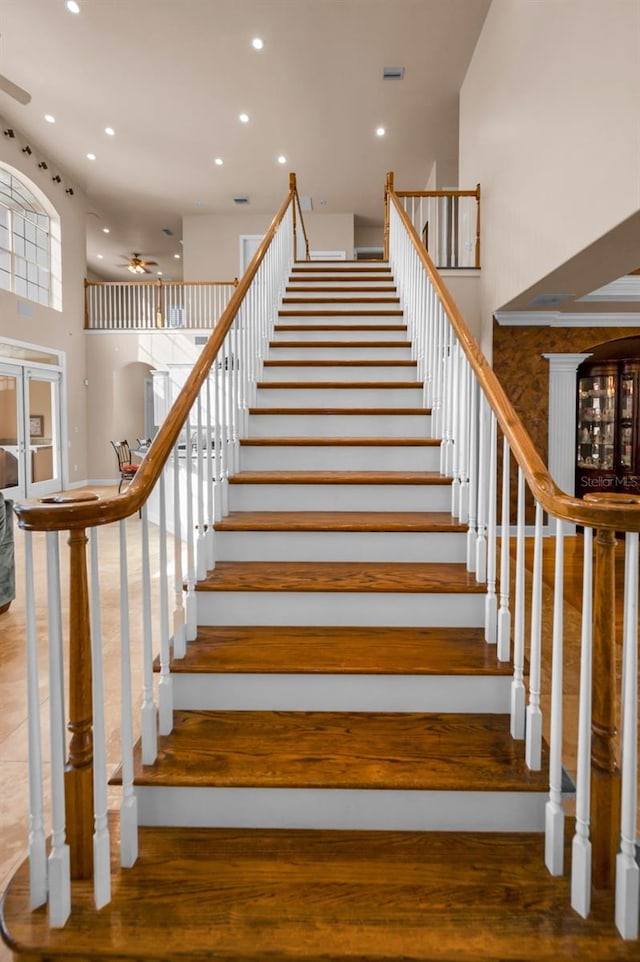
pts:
[172, 76]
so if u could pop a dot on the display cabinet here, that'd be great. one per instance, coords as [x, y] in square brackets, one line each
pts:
[607, 427]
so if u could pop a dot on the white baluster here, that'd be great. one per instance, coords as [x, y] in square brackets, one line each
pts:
[201, 546]
[517, 685]
[463, 444]
[481, 537]
[37, 844]
[504, 613]
[190, 600]
[455, 447]
[554, 823]
[581, 846]
[179, 625]
[59, 857]
[533, 745]
[473, 475]
[148, 712]
[491, 601]
[101, 839]
[210, 454]
[165, 685]
[627, 871]
[129, 805]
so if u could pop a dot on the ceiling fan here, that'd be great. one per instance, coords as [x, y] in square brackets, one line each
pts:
[137, 265]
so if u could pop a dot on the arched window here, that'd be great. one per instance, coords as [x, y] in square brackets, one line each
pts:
[30, 253]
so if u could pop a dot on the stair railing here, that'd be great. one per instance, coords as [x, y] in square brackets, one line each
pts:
[155, 305]
[182, 479]
[469, 411]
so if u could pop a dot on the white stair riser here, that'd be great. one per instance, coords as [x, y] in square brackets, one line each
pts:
[356, 458]
[364, 308]
[326, 608]
[309, 319]
[384, 334]
[383, 546]
[339, 425]
[342, 809]
[326, 692]
[339, 497]
[340, 397]
[333, 278]
[326, 353]
[315, 292]
[341, 372]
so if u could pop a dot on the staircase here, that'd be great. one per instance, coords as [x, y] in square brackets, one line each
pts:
[340, 782]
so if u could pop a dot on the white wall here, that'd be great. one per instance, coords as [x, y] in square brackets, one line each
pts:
[211, 242]
[62, 330]
[549, 127]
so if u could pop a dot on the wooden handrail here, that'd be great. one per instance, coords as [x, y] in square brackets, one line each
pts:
[66, 513]
[439, 193]
[609, 511]
[160, 283]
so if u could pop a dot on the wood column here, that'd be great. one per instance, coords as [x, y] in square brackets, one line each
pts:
[387, 204]
[78, 782]
[477, 263]
[605, 774]
[292, 192]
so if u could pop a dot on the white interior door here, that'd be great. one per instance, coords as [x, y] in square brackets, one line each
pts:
[249, 244]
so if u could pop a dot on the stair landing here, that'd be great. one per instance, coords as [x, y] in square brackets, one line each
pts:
[323, 896]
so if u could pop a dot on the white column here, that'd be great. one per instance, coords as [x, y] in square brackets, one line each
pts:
[562, 421]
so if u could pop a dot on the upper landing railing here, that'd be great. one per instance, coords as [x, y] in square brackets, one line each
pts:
[446, 221]
[155, 305]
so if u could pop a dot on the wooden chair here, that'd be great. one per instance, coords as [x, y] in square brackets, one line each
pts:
[126, 468]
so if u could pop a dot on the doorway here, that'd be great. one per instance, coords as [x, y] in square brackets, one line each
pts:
[30, 430]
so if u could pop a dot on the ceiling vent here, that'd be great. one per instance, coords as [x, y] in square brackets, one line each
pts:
[167, 231]
[393, 73]
[548, 300]
[241, 201]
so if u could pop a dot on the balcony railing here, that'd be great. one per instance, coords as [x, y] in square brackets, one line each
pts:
[153, 305]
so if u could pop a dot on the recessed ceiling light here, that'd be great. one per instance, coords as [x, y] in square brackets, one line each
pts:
[99, 256]
[177, 256]
[110, 131]
[243, 118]
[159, 273]
[50, 118]
[105, 230]
[380, 131]
[218, 161]
[73, 7]
[91, 156]
[282, 159]
[257, 43]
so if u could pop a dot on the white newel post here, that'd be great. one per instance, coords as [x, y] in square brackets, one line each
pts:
[562, 421]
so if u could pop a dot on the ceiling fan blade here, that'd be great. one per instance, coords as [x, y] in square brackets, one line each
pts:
[150, 263]
[14, 91]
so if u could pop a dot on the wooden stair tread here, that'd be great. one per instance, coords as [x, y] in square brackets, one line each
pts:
[342, 411]
[348, 750]
[343, 288]
[340, 650]
[339, 521]
[304, 344]
[306, 896]
[338, 477]
[343, 442]
[339, 363]
[342, 385]
[343, 576]
[340, 327]
[325, 300]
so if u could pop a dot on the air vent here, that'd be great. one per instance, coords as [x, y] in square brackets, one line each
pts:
[393, 73]
[240, 201]
[167, 231]
[200, 339]
[548, 300]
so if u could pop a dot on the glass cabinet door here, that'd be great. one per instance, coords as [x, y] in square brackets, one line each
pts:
[597, 403]
[626, 456]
